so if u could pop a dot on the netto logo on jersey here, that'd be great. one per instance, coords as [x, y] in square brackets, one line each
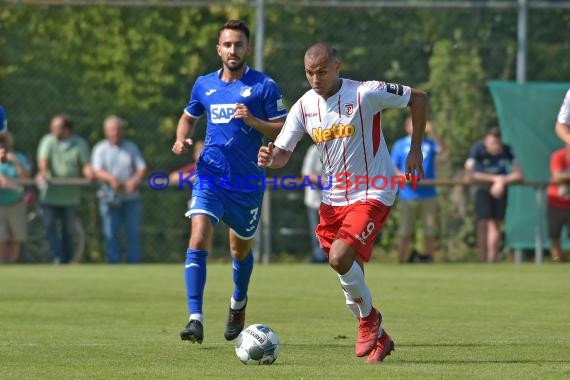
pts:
[337, 131]
[222, 113]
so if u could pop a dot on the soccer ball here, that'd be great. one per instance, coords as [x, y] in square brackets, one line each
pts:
[257, 344]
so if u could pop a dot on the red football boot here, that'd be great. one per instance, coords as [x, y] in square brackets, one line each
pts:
[384, 346]
[367, 333]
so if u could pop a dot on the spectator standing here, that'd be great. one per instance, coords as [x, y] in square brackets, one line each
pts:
[558, 199]
[313, 168]
[13, 165]
[119, 167]
[419, 201]
[493, 165]
[62, 154]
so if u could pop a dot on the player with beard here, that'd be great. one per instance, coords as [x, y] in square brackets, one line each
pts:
[241, 106]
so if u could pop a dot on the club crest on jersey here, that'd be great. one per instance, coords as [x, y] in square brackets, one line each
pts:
[337, 131]
[245, 91]
[349, 109]
[222, 113]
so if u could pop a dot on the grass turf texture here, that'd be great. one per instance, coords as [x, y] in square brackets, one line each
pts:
[448, 321]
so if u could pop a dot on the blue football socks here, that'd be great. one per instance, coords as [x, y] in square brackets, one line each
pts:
[242, 274]
[195, 276]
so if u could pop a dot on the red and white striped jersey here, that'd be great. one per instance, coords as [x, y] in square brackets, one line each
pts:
[347, 129]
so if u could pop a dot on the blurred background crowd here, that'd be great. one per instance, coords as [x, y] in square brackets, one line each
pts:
[65, 71]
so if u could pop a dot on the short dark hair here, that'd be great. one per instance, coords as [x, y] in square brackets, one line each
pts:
[66, 120]
[494, 132]
[322, 49]
[234, 25]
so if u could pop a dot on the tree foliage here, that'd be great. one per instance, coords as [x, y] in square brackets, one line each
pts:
[457, 89]
[141, 62]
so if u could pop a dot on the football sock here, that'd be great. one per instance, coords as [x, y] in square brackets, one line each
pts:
[353, 284]
[242, 273]
[237, 305]
[352, 306]
[195, 276]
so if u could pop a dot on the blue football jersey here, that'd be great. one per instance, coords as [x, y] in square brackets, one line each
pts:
[231, 146]
[399, 154]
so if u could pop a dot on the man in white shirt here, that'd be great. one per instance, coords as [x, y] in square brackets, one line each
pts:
[119, 166]
[343, 117]
[313, 169]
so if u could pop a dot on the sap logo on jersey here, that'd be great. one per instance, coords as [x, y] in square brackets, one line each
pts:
[222, 113]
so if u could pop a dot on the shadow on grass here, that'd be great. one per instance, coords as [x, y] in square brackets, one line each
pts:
[492, 361]
[350, 343]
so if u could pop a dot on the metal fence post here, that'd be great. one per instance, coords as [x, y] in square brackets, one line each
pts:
[522, 37]
[518, 256]
[259, 35]
[538, 248]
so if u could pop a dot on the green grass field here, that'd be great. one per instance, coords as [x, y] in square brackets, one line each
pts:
[448, 321]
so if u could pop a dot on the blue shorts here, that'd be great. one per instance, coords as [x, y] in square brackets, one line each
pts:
[238, 210]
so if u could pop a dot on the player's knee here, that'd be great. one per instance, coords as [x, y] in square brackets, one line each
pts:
[239, 255]
[340, 261]
[199, 241]
[239, 251]
[201, 231]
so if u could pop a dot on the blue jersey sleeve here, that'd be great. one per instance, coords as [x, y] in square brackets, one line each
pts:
[273, 100]
[195, 108]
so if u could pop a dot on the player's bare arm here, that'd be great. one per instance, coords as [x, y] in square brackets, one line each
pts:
[184, 129]
[418, 109]
[273, 157]
[269, 128]
[563, 132]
